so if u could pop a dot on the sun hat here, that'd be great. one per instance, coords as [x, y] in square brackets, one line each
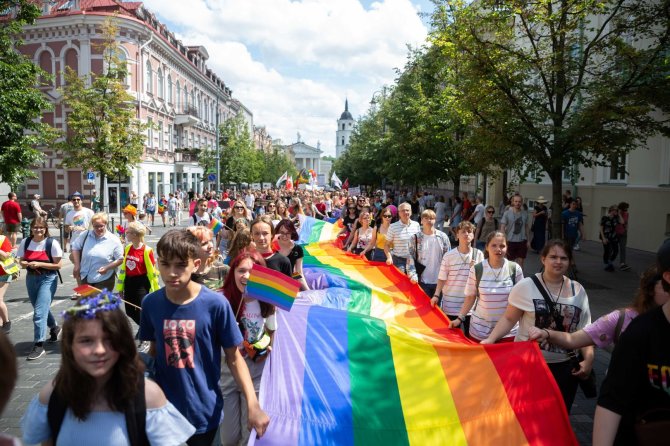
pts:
[541, 199]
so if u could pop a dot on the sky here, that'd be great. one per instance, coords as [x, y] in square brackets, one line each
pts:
[293, 63]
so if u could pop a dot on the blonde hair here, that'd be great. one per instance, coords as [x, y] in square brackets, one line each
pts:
[428, 214]
[201, 232]
[138, 228]
[100, 216]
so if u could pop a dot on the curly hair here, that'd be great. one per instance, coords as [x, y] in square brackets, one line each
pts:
[644, 297]
[78, 388]
[288, 226]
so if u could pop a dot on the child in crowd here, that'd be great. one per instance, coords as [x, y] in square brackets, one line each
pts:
[188, 326]
[100, 386]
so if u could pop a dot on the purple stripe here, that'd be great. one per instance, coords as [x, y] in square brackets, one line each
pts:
[281, 390]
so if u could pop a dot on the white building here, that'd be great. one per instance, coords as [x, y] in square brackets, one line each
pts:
[345, 125]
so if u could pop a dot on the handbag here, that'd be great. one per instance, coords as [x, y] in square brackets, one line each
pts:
[589, 385]
[652, 427]
[420, 267]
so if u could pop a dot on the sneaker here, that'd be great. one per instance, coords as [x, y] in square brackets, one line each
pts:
[55, 333]
[36, 353]
[143, 347]
[576, 247]
[7, 327]
[75, 296]
[624, 267]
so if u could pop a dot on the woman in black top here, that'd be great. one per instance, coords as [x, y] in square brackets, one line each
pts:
[286, 237]
[263, 232]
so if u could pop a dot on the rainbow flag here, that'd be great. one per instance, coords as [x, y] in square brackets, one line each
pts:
[313, 230]
[365, 360]
[272, 287]
[86, 290]
[215, 225]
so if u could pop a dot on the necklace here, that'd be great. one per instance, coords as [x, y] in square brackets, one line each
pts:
[464, 259]
[497, 274]
[560, 290]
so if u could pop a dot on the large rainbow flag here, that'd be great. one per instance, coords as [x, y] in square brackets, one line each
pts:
[313, 230]
[365, 360]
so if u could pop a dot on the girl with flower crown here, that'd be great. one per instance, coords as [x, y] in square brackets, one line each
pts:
[96, 396]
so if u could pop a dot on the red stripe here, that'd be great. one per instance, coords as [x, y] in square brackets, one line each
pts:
[554, 426]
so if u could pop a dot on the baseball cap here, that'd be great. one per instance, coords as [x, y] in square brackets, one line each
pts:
[76, 194]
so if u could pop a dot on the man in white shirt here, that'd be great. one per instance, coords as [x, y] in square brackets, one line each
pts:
[77, 220]
[478, 213]
[249, 200]
[398, 237]
[36, 208]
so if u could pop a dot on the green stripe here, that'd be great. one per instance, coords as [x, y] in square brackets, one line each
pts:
[361, 296]
[315, 235]
[378, 419]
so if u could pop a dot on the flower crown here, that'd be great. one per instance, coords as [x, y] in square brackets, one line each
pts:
[88, 307]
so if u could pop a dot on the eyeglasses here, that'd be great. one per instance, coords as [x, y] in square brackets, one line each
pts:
[284, 234]
[39, 228]
[271, 205]
[99, 226]
[387, 216]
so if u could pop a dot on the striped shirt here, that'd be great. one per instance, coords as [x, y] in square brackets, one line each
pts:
[454, 270]
[398, 236]
[494, 289]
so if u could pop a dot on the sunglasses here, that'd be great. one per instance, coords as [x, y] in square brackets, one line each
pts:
[76, 199]
[239, 207]
[490, 212]
[386, 216]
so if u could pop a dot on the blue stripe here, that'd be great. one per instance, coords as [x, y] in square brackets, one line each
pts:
[326, 400]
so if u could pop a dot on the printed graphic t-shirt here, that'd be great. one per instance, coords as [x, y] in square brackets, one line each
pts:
[189, 339]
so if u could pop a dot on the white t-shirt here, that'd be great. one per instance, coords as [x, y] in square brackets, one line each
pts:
[454, 270]
[494, 288]
[253, 323]
[515, 225]
[431, 256]
[80, 221]
[39, 247]
[440, 211]
[574, 311]
[479, 213]
[197, 219]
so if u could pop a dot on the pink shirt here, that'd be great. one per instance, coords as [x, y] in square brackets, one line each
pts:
[602, 330]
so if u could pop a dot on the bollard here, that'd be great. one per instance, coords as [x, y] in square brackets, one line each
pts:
[111, 229]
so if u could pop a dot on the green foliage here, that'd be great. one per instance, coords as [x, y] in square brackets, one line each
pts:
[103, 133]
[240, 161]
[275, 163]
[21, 104]
[547, 85]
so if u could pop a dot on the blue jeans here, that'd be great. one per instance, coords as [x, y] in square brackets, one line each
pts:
[41, 290]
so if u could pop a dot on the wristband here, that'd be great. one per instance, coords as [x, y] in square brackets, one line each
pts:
[547, 331]
[436, 295]
[461, 318]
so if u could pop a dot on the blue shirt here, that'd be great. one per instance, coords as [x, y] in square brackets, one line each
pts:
[97, 252]
[571, 221]
[189, 339]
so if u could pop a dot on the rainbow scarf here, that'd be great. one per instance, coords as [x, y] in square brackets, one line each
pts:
[366, 360]
[272, 287]
[215, 225]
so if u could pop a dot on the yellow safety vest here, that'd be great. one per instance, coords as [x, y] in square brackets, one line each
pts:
[152, 273]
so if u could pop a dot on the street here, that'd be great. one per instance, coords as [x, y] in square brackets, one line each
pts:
[606, 291]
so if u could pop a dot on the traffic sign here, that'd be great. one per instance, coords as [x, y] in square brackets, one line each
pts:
[211, 177]
[90, 177]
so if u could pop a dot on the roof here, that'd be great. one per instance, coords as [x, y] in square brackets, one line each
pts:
[345, 114]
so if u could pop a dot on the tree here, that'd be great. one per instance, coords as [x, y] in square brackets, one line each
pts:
[21, 104]
[555, 84]
[276, 162]
[240, 161]
[103, 133]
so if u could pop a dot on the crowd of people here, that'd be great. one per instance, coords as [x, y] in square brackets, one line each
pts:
[467, 261]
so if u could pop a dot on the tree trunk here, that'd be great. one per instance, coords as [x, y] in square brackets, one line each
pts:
[457, 185]
[556, 175]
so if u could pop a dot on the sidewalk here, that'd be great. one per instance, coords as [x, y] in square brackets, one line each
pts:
[606, 291]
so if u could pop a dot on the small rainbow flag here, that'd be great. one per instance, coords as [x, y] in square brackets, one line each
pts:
[120, 230]
[86, 290]
[215, 225]
[272, 287]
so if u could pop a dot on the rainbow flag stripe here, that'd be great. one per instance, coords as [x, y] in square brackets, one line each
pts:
[215, 225]
[272, 287]
[86, 290]
[313, 230]
[366, 360]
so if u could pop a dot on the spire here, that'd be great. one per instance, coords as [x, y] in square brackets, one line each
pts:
[346, 104]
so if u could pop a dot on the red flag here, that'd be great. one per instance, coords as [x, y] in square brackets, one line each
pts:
[345, 185]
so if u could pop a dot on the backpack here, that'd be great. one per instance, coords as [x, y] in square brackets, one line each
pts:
[30, 206]
[47, 250]
[479, 271]
[135, 415]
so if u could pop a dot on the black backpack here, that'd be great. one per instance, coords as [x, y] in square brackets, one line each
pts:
[135, 417]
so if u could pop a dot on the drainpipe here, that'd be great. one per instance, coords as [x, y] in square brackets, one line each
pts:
[140, 80]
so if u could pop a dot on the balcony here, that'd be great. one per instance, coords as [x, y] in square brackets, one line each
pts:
[186, 155]
[187, 117]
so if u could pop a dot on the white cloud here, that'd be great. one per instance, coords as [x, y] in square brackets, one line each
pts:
[292, 63]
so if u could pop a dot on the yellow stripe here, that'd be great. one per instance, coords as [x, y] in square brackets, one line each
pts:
[427, 403]
[275, 285]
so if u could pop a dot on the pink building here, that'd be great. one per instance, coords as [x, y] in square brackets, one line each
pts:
[172, 85]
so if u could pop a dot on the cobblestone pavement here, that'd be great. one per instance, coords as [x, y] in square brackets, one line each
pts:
[606, 290]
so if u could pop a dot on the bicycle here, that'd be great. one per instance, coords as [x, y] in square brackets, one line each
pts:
[53, 217]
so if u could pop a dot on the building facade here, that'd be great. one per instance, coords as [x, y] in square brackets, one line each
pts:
[173, 87]
[345, 126]
[305, 156]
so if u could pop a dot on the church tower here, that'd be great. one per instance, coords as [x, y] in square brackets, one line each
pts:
[345, 125]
